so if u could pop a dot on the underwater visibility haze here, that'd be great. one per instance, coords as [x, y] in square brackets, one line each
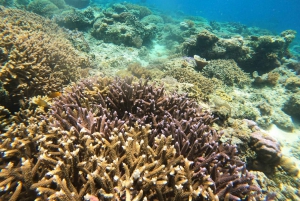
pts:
[276, 16]
[149, 100]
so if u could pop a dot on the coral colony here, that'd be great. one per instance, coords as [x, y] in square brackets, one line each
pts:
[125, 142]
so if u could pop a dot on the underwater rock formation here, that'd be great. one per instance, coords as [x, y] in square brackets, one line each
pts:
[123, 140]
[255, 53]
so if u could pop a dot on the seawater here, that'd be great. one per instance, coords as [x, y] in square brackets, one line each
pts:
[275, 15]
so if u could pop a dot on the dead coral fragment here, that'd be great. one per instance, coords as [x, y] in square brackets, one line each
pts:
[201, 62]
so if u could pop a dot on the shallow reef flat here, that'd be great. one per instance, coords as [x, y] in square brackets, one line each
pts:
[119, 101]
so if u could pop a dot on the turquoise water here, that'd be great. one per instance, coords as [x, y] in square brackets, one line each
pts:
[276, 16]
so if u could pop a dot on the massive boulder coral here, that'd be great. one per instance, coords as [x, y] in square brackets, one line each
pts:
[35, 59]
[128, 141]
[254, 53]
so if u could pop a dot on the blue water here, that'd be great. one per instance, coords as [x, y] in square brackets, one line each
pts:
[275, 15]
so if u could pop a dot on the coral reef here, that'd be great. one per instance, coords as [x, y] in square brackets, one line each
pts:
[280, 175]
[4, 96]
[126, 140]
[171, 34]
[137, 10]
[205, 86]
[120, 26]
[35, 61]
[155, 19]
[137, 70]
[227, 71]
[261, 54]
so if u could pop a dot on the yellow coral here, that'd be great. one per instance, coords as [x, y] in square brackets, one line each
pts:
[223, 95]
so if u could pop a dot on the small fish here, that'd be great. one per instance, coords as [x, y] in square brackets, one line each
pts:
[54, 94]
[41, 103]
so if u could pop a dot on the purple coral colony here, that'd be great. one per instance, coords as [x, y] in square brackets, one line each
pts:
[120, 102]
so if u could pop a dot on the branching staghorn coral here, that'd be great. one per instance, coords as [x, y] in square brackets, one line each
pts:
[125, 142]
[35, 60]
